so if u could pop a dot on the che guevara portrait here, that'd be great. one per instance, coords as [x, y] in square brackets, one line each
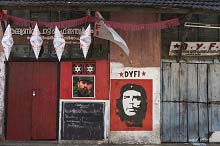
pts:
[131, 104]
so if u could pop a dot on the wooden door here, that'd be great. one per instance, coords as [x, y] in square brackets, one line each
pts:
[19, 101]
[190, 102]
[32, 101]
[44, 103]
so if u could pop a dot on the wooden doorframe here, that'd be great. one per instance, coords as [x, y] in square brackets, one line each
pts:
[7, 76]
[58, 100]
[6, 98]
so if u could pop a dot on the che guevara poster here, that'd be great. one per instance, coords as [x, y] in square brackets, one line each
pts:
[131, 105]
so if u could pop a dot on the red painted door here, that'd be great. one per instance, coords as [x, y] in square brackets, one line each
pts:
[19, 101]
[32, 101]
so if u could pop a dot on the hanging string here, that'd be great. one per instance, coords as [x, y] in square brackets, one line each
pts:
[80, 21]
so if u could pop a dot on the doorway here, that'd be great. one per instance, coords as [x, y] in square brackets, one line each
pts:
[190, 101]
[32, 101]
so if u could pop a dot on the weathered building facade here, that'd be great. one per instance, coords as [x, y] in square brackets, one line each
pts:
[148, 96]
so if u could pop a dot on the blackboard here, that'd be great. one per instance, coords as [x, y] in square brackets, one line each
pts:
[82, 121]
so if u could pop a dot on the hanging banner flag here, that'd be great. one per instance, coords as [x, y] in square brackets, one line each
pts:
[85, 40]
[36, 41]
[58, 42]
[7, 41]
[79, 21]
[105, 32]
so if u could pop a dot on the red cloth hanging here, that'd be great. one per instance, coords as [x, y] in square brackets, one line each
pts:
[79, 21]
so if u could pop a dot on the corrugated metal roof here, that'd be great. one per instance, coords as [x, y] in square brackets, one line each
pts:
[213, 5]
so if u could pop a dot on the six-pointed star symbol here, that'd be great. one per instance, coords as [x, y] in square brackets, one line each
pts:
[77, 68]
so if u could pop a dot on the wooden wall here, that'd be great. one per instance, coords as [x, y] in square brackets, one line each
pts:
[190, 102]
[144, 45]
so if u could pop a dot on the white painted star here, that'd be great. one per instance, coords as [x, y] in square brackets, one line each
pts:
[77, 68]
[90, 68]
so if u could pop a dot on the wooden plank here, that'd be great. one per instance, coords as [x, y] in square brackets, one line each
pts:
[215, 118]
[166, 125]
[174, 87]
[166, 82]
[210, 117]
[213, 81]
[175, 121]
[202, 97]
[174, 92]
[192, 82]
[183, 82]
[202, 83]
[183, 122]
[203, 122]
[192, 107]
[166, 115]
[213, 96]
[183, 106]
[193, 126]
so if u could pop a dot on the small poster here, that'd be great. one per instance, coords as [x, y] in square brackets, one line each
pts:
[83, 80]
[83, 86]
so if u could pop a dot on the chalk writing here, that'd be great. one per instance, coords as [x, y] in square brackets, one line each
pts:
[82, 121]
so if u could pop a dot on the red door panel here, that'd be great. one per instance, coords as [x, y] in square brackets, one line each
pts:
[44, 106]
[19, 101]
[32, 117]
